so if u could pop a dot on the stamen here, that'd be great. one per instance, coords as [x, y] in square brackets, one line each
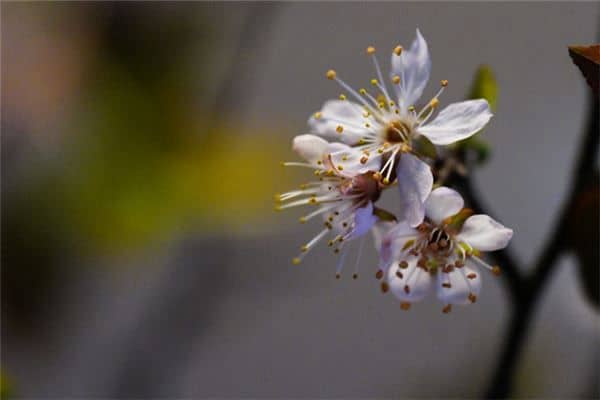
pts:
[447, 309]
[398, 50]
[405, 306]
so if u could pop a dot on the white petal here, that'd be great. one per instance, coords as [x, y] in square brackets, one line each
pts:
[442, 203]
[463, 282]
[363, 221]
[414, 182]
[382, 244]
[414, 283]
[483, 233]
[310, 147]
[336, 113]
[458, 121]
[413, 67]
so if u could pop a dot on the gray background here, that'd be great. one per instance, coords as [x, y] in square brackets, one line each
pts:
[229, 316]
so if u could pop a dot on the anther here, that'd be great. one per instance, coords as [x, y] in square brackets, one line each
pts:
[405, 306]
[444, 83]
[370, 50]
[362, 91]
[407, 289]
[302, 220]
[386, 181]
[364, 159]
[296, 261]
[340, 167]
[374, 82]
[339, 129]
[377, 176]
[331, 74]
[379, 274]
[398, 50]
[434, 102]
[496, 270]
[403, 264]
[318, 115]
[459, 264]
[446, 285]
[304, 248]
[384, 287]
[396, 79]
[338, 276]
[472, 275]
[411, 108]
[342, 97]
[355, 276]
[399, 274]
[472, 298]
[447, 309]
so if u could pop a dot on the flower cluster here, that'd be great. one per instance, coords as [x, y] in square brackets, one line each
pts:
[376, 140]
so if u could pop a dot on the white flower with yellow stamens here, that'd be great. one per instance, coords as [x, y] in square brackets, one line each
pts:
[443, 251]
[385, 127]
[343, 193]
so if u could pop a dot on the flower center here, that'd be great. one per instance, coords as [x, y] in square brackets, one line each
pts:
[397, 132]
[366, 185]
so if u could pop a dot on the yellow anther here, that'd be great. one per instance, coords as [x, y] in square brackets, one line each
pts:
[362, 91]
[496, 270]
[277, 197]
[367, 125]
[304, 248]
[344, 158]
[392, 104]
[381, 105]
[302, 220]
[405, 306]
[370, 50]
[411, 108]
[331, 74]
[339, 129]
[318, 115]
[434, 102]
[340, 167]
[386, 181]
[396, 79]
[277, 208]
[377, 176]
[405, 148]
[296, 261]
[374, 82]
[342, 97]
[398, 50]
[444, 83]
[361, 141]
[364, 159]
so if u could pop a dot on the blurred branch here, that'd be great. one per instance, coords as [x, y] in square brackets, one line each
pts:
[529, 289]
[259, 19]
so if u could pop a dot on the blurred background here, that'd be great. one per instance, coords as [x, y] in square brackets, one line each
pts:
[140, 154]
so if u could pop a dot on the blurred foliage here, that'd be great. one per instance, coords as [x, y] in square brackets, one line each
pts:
[141, 157]
[484, 86]
[6, 389]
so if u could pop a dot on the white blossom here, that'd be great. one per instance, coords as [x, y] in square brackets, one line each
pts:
[343, 193]
[443, 252]
[385, 125]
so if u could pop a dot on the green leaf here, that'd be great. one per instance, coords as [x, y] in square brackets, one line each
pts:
[484, 86]
[384, 215]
